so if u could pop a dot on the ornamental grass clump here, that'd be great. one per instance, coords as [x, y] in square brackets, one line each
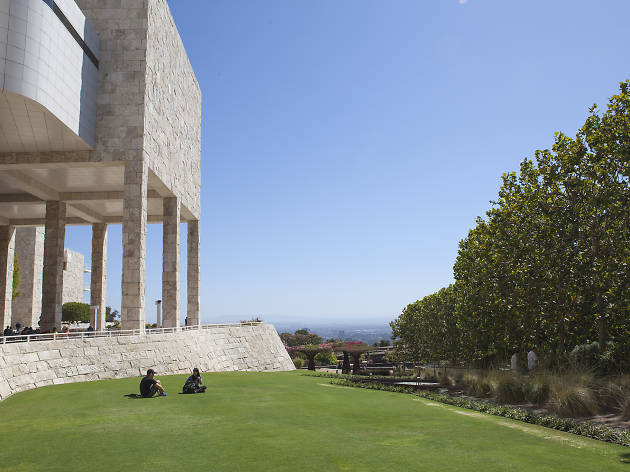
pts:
[611, 396]
[445, 379]
[477, 385]
[511, 389]
[538, 391]
[574, 401]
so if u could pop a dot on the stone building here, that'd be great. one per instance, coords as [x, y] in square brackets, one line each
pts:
[29, 251]
[100, 124]
[73, 273]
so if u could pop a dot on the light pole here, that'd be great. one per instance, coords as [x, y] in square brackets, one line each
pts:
[158, 309]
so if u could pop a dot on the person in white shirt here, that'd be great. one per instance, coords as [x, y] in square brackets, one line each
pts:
[514, 362]
[532, 359]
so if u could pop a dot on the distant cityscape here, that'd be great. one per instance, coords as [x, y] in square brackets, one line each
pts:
[350, 332]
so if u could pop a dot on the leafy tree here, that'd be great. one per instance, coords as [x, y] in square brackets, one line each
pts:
[300, 338]
[549, 265]
[326, 358]
[110, 316]
[74, 311]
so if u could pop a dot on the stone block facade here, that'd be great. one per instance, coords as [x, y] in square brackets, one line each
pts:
[135, 158]
[149, 98]
[29, 250]
[73, 275]
[24, 366]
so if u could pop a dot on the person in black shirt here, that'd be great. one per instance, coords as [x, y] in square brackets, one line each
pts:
[149, 386]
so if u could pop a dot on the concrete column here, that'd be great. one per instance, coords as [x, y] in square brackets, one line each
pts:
[170, 263]
[29, 250]
[7, 251]
[132, 313]
[193, 274]
[98, 281]
[52, 284]
[93, 316]
[158, 313]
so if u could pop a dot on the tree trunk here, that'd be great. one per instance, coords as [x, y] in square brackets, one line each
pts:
[601, 320]
[311, 361]
[345, 369]
[356, 362]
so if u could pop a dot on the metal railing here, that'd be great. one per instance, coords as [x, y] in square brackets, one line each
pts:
[110, 333]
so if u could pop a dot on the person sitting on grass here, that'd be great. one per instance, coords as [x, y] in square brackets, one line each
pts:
[193, 383]
[149, 386]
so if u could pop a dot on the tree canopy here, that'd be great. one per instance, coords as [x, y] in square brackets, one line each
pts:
[74, 311]
[300, 338]
[549, 265]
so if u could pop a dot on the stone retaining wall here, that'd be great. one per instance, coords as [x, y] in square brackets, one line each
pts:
[25, 366]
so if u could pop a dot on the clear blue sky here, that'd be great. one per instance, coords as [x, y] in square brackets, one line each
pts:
[348, 146]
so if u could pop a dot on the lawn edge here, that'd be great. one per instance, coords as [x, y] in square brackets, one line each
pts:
[568, 425]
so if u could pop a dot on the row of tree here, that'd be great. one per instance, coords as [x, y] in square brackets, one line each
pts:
[550, 263]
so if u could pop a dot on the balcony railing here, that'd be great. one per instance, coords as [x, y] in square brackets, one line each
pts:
[27, 338]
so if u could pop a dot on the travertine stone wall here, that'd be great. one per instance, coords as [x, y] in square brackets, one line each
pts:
[29, 248]
[52, 289]
[7, 246]
[193, 274]
[25, 366]
[120, 99]
[73, 275]
[170, 263]
[134, 230]
[149, 101]
[172, 115]
[98, 277]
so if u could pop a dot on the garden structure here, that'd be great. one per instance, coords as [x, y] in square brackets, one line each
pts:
[352, 349]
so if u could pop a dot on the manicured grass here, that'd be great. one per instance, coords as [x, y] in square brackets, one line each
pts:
[274, 422]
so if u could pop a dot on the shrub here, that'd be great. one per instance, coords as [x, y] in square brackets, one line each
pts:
[574, 401]
[614, 360]
[326, 358]
[585, 356]
[478, 385]
[74, 311]
[510, 389]
[445, 379]
[538, 391]
[610, 396]
[298, 362]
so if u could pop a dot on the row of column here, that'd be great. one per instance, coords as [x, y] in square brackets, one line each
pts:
[133, 306]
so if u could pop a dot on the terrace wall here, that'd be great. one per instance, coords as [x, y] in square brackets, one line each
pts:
[24, 366]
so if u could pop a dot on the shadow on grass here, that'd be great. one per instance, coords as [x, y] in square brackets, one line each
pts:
[625, 458]
[135, 395]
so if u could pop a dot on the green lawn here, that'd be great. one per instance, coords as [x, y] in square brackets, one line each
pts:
[274, 422]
